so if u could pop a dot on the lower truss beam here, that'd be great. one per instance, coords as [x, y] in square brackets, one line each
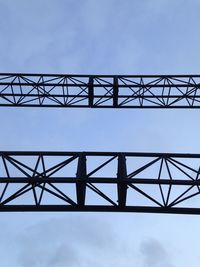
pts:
[100, 181]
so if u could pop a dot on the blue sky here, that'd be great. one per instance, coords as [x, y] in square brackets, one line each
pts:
[99, 37]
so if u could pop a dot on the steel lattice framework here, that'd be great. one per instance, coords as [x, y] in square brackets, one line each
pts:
[103, 91]
[100, 181]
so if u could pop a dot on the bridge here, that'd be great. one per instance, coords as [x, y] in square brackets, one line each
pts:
[99, 181]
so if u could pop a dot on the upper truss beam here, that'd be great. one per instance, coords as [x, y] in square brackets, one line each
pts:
[102, 91]
[100, 181]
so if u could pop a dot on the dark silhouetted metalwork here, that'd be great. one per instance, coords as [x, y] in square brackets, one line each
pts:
[102, 91]
[100, 181]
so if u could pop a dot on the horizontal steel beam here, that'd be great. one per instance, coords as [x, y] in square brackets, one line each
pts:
[99, 91]
[100, 181]
[96, 154]
[63, 208]
[94, 180]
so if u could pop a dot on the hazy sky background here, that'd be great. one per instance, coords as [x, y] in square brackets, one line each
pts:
[99, 37]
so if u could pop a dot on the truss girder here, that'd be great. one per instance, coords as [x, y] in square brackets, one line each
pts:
[103, 91]
[100, 181]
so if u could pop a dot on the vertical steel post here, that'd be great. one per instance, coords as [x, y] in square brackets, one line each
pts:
[91, 91]
[121, 183]
[115, 91]
[81, 175]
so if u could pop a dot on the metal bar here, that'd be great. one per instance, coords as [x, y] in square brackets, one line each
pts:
[95, 208]
[105, 153]
[122, 184]
[115, 92]
[98, 95]
[98, 180]
[81, 176]
[90, 92]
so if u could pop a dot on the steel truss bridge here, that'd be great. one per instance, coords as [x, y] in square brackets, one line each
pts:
[102, 91]
[100, 181]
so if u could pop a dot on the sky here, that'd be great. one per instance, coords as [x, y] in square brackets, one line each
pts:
[99, 37]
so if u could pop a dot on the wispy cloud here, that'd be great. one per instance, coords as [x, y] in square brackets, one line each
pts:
[154, 254]
[73, 241]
